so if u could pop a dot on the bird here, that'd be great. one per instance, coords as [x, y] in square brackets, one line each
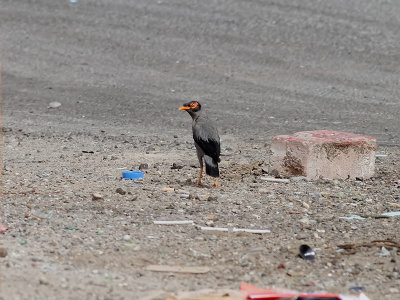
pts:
[206, 140]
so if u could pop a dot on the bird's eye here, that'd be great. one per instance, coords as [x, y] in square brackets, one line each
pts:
[193, 105]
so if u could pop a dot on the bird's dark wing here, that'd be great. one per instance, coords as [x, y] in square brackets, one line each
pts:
[210, 147]
[205, 134]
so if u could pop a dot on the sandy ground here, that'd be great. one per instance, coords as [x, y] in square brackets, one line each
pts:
[120, 70]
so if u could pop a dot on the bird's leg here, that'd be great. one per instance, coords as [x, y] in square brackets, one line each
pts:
[216, 184]
[201, 175]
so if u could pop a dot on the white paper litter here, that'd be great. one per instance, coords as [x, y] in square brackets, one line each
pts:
[280, 180]
[188, 222]
[235, 229]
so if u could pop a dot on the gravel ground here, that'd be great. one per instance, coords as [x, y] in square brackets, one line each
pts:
[120, 69]
[62, 243]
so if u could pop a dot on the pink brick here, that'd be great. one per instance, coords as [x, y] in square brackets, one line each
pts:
[323, 154]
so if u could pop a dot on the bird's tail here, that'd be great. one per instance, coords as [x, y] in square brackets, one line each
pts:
[211, 166]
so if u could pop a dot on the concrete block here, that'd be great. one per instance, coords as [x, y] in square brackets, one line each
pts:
[323, 154]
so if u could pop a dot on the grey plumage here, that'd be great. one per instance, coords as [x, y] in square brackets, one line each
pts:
[207, 143]
[206, 138]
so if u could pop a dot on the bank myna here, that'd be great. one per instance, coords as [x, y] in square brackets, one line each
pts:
[206, 140]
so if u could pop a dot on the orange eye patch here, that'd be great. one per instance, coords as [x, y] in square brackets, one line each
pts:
[194, 104]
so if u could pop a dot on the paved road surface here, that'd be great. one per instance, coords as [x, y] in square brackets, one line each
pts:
[260, 67]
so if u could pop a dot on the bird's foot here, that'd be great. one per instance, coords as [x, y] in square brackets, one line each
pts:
[199, 183]
[216, 184]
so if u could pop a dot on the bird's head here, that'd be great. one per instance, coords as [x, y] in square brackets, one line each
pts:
[191, 107]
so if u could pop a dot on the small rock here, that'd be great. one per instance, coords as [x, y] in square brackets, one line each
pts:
[133, 198]
[54, 104]
[143, 166]
[36, 259]
[305, 221]
[120, 191]
[212, 198]
[127, 237]
[43, 281]
[3, 252]
[306, 205]
[301, 236]
[244, 263]
[210, 223]
[316, 195]
[194, 196]
[394, 290]
[384, 252]
[176, 166]
[97, 196]
[325, 194]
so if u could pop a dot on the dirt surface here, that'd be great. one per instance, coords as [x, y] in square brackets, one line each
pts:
[120, 70]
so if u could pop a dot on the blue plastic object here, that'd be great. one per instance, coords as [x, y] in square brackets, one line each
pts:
[132, 175]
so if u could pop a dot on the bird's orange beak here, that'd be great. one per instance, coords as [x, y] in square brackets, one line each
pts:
[184, 107]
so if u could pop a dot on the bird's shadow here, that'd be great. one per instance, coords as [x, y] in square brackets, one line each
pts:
[202, 186]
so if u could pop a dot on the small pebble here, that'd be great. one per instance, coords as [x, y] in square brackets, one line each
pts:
[176, 166]
[194, 196]
[210, 223]
[54, 104]
[316, 195]
[127, 237]
[301, 236]
[133, 198]
[97, 196]
[143, 166]
[305, 221]
[120, 191]
[212, 198]
[325, 194]
[384, 252]
[43, 281]
[3, 252]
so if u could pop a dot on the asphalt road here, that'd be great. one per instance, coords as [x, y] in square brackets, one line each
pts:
[260, 68]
